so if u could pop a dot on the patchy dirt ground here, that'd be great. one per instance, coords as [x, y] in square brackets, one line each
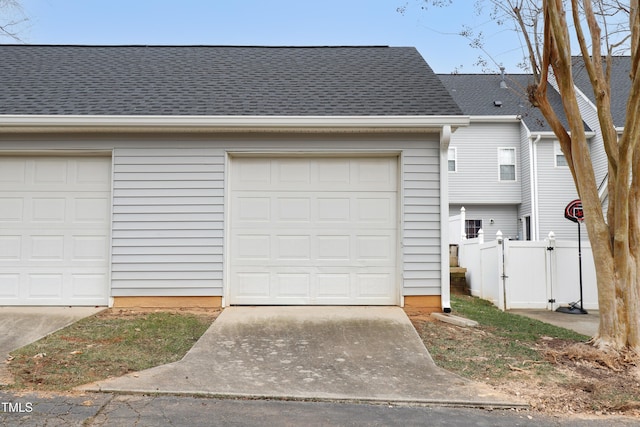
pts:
[559, 377]
[137, 312]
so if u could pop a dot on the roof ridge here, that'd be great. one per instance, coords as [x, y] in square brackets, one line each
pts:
[200, 45]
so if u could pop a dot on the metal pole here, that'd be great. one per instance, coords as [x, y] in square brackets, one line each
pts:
[580, 264]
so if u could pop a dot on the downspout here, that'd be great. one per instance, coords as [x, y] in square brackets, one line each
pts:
[445, 291]
[535, 220]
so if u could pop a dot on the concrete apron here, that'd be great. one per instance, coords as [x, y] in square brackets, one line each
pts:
[318, 353]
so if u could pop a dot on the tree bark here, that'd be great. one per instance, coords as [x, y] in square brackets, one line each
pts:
[616, 244]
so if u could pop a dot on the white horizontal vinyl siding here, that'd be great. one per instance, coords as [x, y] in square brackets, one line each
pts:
[505, 219]
[598, 154]
[525, 172]
[476, 180]
[555, 190]
[168, 222]
[421, 237]
[599, 158]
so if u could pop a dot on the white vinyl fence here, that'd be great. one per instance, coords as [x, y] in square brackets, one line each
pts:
[526, 274]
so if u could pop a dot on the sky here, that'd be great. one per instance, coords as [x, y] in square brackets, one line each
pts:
[434, 31]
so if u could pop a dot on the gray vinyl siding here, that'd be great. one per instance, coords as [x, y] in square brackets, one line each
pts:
[555, 190]
[168, 205]
[421, 235]
[525, 172]
[168, 222]
[505, 219]
[476, 180]
[598, 155]
[596, 145]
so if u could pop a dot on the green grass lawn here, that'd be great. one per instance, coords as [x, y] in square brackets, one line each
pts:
[107, 344]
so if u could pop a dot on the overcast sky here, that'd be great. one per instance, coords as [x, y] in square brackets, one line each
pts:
[274, 23]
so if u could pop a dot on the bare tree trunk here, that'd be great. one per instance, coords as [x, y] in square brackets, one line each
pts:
[614, 245]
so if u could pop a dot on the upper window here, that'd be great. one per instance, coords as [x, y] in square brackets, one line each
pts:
[560, 159]
[453, 160]
[507, 164]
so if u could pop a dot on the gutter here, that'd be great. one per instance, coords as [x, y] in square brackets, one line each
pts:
[95, 123]
[496, 119]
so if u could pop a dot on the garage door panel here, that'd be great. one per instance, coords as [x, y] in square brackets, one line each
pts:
[334, 247]
[11, 209]
[13, 173]
[45, 248]
[252, 247]
[89, 248]
[88, 285]
[43, 285]
[54, 230]
[333, 209]
[253, 285]
[293, 248]
[375, 248]
[10, 248]
[93, 173]
[48, 209]
[333, 286]
[251, 209]
[334, 171]
[49, 172]
[293, 285]
[293, 171]
[379, 210]
[90, 210]
[303, 230]
[9, 286]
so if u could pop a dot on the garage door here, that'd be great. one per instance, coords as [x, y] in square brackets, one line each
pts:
[313, 231]
[54, 230]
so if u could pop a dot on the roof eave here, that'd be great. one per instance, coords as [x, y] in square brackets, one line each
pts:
[495, 118]
[104, 123]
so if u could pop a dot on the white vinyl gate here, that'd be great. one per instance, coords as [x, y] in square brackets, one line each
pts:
[526, 274]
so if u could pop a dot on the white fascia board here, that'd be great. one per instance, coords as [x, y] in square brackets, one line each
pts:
[38, 123]
[495, 119]
[551, 135]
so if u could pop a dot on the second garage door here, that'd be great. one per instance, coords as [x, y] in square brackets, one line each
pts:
[313, 231]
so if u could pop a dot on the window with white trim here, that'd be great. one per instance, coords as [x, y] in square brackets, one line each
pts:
[452, 159]
[471, 227]
[560, 159]
[507, 164]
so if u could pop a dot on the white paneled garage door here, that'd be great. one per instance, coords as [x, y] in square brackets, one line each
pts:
[313, 231]
[54, 230]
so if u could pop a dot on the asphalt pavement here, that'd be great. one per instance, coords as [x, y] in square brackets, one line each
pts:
[104, 409]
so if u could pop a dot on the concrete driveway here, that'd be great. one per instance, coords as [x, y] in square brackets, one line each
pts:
[326, 353]
[23, 325]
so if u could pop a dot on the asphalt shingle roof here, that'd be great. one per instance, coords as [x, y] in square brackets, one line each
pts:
[476, 93]
[219, 80]
[620, 85]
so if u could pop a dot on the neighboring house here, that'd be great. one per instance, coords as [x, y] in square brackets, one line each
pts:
[506, 169]
[209, 176]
